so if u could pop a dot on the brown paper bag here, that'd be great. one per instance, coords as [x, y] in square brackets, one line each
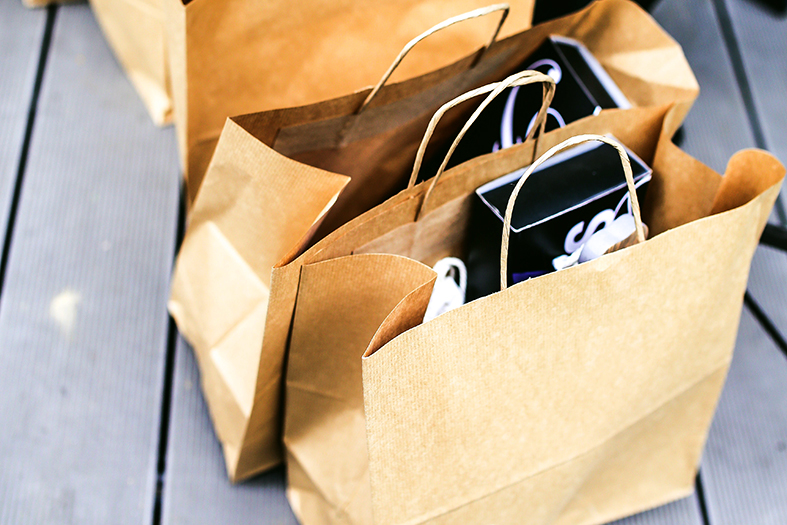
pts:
[230, 57]
[135, 30]
[275, 185]
[223, 315]
[578, 397]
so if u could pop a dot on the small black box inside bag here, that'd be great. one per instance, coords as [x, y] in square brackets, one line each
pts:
[583, 88]
[572, 209]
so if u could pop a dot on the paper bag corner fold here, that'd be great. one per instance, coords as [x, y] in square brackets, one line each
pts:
[272, 69]
[342, 302]
[221, 288]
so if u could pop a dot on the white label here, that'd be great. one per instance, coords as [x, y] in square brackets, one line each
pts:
[605, 229]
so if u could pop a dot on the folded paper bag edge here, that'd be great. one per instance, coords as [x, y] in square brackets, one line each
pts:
[330, 309]
[217, 210]
[408, 314]
[722, 206]
[728, 196]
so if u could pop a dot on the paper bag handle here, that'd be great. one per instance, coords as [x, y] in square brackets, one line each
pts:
[519, 79]
[566, 144]
[476, 13]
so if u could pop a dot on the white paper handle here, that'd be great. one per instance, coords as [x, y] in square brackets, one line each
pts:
[505, 8]
[569, 143]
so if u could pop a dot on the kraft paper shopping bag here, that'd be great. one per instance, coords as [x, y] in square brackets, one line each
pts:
[215, 283]
[277, 184]
[230, 57]
[578, 397]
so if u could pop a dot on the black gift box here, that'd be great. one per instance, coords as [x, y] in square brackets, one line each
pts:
[565, 201]
[583, 88]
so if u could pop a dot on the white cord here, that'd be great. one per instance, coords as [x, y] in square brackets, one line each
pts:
[447, 293]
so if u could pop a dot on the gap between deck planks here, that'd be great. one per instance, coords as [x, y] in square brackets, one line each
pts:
[24, 41]
[82, 316]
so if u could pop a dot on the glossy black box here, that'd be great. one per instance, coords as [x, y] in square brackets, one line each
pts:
[583, 88]
[566, 200]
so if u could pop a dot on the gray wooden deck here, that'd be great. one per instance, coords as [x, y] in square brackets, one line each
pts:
[101, 416]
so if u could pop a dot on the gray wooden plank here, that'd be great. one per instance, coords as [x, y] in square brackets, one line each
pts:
[682, 512]
[745, 462]
[717, 125]
[83, 318]
[761, 35]
[21, 34]
[768, 285]
[196, 487]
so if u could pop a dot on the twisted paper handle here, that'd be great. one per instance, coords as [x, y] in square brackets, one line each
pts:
[569, 143]
[519, 79]
[505, 8]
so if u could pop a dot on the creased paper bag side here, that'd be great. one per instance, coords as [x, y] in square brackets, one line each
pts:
[221, 282]
[341, 304]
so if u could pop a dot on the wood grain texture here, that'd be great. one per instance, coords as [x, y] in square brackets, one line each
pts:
[768, 285]
[21, 36]
[83, 318]
[745, 464]
[717, 125]
[196, 487]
